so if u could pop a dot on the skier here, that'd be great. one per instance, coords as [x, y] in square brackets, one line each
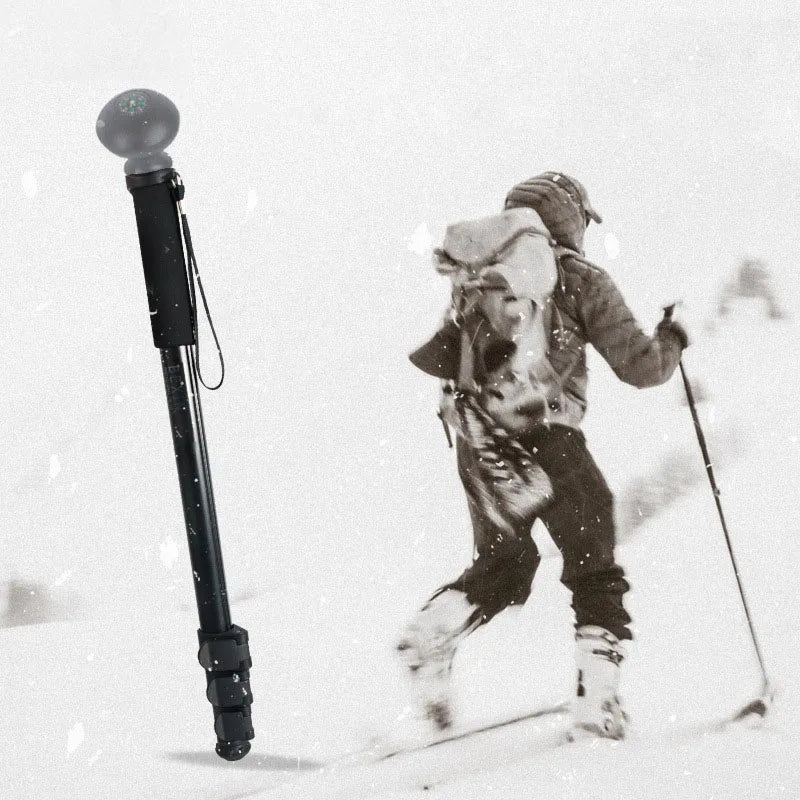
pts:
[520, 451]
[752, 281]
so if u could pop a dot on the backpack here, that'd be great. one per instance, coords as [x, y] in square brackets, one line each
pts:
[503, 271]
[499, 265]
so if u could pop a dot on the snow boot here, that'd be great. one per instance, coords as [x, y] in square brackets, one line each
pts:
[597, 710]
[427, 647]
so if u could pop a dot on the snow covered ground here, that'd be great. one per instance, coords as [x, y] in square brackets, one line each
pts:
[321, 148]
[114, 701]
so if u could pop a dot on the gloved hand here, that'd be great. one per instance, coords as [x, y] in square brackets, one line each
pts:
[670, 323]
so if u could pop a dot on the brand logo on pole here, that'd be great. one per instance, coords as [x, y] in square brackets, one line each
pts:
[133, 103]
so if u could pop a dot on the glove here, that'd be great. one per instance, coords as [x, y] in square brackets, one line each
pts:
[669, 323]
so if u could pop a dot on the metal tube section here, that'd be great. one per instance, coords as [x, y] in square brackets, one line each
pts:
[196, 491]
[215, 552]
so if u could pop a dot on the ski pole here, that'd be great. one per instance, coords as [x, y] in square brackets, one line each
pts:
[446, 429]
[138, 125]
[716, 492]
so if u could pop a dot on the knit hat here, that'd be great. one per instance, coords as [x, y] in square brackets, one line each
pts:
[561, 201]
[576, 190]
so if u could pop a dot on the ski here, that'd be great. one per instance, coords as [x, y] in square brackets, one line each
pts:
[547, 711]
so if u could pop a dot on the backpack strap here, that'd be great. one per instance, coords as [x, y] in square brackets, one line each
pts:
[466, 365]
[565, 252]
[554, 325]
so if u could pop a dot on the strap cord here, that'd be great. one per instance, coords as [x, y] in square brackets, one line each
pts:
[193, 273]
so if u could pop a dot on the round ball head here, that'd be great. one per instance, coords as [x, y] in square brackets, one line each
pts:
[137, 123]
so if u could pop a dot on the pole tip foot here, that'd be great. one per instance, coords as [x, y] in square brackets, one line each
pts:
[232, 751]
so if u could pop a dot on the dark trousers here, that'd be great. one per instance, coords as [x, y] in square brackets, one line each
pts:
[580, 521]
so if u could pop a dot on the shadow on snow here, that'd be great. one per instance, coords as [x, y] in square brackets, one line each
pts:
[261, 761]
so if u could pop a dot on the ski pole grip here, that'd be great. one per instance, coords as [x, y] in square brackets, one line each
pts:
[226, 659]
[162, 258]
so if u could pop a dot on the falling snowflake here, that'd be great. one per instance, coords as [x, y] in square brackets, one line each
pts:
[29, 184]
[252, 202]
[611, 244]
[75, 737]
[62, 579]
[55, 466]
[168, 550]
[120, 396]
[421, 241]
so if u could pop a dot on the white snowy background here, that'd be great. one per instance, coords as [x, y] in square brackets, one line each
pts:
[324, 147]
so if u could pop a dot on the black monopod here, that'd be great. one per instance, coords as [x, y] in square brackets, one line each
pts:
[138, 125]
